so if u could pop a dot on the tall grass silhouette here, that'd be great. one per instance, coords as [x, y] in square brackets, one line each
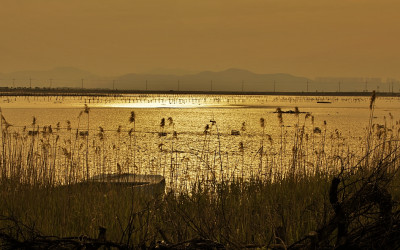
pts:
[279, 195]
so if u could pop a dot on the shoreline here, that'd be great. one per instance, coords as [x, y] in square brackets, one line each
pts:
[109, 92]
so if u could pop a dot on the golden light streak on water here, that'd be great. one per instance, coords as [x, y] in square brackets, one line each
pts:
[192, 153]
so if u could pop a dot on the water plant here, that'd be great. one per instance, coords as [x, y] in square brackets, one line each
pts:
[291, 199]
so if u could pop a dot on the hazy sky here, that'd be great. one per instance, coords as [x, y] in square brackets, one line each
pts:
[108, 37]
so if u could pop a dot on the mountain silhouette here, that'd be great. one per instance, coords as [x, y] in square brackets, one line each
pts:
[232, 79]
[228, 80]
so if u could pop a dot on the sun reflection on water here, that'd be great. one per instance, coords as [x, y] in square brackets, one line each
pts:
[191, 151]
[155, 105]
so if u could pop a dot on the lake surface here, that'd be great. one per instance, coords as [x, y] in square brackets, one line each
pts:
[191, 154]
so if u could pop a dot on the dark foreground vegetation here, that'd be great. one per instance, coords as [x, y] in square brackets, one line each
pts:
[357, 209]
[353, 207]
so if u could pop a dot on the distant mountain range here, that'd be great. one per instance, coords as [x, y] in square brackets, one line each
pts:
[227, 80]
[168, 79]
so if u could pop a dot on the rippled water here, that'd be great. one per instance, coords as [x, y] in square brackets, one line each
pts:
[192, 153]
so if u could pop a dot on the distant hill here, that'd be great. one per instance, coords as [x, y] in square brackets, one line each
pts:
[227, 80]
[232, 79]
[169, 71]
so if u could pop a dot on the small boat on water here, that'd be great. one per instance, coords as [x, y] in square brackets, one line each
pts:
[150, 184]
[235, 132]
[131, 179]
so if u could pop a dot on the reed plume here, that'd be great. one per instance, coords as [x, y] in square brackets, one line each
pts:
[241, 147]
[87, 109]
[132, 117]
[162, 123]
[170, 121]
[243, 127]
[279, 112]
[372, 100]
[206, 128]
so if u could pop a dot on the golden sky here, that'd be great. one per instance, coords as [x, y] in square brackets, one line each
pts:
[109, 37]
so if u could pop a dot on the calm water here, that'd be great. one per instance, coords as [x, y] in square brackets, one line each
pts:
[192, 154]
